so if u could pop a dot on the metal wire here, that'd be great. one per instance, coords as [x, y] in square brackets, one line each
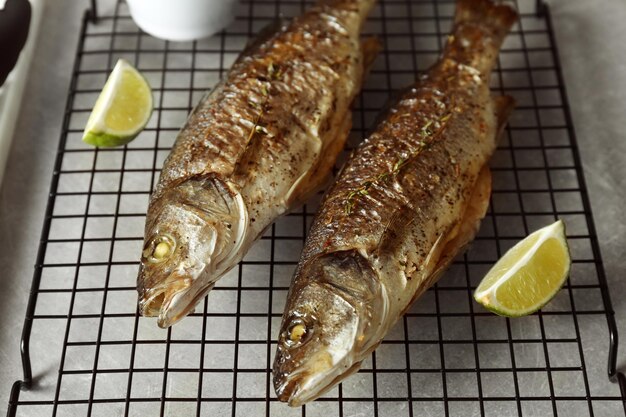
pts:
[447, 356]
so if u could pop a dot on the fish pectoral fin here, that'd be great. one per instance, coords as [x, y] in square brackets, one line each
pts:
[503, 107]
[370, 48]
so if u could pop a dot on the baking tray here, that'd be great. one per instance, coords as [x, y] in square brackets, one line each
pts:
[86, 352]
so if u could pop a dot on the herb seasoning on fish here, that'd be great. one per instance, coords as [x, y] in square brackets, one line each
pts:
[407, 201]
[257, 146]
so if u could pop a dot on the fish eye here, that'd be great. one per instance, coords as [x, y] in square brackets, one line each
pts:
[297, 333]
[159, 248]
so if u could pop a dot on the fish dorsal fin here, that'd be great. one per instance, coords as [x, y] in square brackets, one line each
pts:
[370, 47]
[503, 107]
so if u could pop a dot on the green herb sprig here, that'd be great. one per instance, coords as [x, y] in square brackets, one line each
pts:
[427, 135]
[275, 73]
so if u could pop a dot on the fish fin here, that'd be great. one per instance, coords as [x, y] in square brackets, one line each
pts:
[310, 181]
[480, 27]
[363, 6]
[497, 17]
[460, 235]
[466, 229]
[503, 107]
[370, 48]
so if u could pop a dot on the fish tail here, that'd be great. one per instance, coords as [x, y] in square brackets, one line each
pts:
[480, 27]
[497, 17]
[362, 6]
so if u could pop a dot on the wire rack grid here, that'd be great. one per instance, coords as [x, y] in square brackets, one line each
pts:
[447, 357]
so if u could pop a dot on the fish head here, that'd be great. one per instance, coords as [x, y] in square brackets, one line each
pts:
[316, 346]
[330, 325]
[193, 234]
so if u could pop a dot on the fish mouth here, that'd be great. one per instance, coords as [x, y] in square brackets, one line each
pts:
[300, 388]
[174, 300]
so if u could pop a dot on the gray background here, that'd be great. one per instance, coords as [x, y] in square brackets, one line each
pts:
[590, 36]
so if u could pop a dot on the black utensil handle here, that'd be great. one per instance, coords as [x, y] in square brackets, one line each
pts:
[14, 24]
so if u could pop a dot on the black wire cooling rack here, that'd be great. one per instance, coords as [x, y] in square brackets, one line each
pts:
[94, 356]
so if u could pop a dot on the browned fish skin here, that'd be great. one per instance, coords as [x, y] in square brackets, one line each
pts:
[402, 207]
[255, 147]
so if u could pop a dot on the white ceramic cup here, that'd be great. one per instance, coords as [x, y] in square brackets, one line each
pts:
[182, 20]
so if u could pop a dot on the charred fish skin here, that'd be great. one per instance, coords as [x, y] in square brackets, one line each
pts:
[255, 147]
[407, 201]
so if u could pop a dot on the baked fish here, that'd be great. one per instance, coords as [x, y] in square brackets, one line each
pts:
[255, 147]
[408, 200]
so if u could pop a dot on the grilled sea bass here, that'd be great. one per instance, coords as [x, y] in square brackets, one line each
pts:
[258, 145]
[407, 201]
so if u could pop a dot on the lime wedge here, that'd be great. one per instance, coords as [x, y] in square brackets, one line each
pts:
[528, 275]
[122, 109]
